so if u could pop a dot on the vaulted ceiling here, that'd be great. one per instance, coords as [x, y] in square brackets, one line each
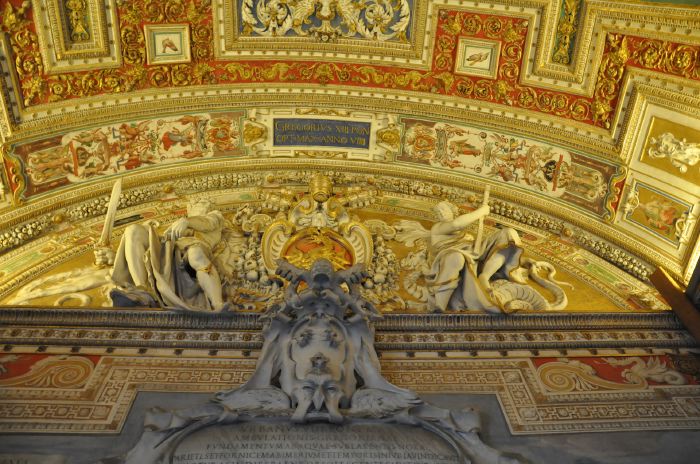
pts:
[582, 115]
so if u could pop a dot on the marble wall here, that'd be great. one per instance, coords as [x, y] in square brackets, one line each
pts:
[629, 447]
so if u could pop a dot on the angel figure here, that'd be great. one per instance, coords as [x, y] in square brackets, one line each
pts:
[457, 276]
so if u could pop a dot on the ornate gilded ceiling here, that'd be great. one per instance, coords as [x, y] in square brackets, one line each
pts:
[582, 115]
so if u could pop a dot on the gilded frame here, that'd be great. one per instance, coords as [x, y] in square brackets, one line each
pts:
[151, 31]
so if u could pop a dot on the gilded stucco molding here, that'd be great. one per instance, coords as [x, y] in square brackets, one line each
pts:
[596, 20]
[77, 35]
[9, 117]
[167, 174]
[648, 92]
[63, 116]
[424, 341]
[100, 110]
[25, 232]
[159, 329]
[170, 320]
[507, 8]
[229, 44]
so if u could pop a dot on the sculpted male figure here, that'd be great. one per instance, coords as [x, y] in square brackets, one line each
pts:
[460, 276]
[168, 265]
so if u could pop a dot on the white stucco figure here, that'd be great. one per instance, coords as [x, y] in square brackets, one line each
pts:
[182, 267]
[681, 153]
[459, 277]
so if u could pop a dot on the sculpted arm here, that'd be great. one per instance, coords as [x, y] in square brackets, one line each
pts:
[460, 222]
[208, 223]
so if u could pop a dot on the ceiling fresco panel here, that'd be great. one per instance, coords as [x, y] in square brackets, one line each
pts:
[621, 51]
[86, 154]
[524, 163]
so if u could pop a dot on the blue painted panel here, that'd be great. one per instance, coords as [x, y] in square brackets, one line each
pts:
[255, 19]
[321, 132]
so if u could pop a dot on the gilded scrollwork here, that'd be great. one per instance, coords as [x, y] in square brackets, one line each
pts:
[667, 57]
[566, 31]
[621, 50]
[254, 134]
[76, 11]
[610, 78]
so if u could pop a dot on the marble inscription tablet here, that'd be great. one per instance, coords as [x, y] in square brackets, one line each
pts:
[32, 459]
[283, 443]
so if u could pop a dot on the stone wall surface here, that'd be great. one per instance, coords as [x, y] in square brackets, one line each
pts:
[649, 447]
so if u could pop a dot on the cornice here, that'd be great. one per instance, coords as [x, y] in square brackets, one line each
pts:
[163, 319]
[154, 329]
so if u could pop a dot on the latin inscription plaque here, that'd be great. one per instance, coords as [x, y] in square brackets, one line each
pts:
[321, 132]
[283, 443]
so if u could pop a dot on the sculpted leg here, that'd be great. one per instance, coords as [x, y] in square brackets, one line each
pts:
[491, 266]
[207, 276]
[447, 279]
[136, 244]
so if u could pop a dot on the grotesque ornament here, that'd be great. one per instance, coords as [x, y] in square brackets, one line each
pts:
[317, 363]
